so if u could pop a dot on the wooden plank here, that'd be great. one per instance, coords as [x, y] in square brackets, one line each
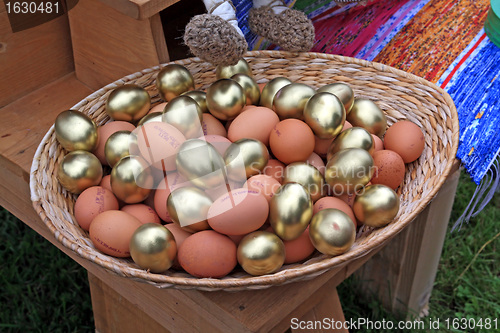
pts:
[23, 53]
[402, 275]
[25, 121]
[109, 45]
[323, 317]
[108, 305]
[159, 38]
[139, 9]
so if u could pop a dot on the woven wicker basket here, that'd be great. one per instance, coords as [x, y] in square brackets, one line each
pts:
[399, 94]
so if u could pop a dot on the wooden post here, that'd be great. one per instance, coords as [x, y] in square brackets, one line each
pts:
[402, 274]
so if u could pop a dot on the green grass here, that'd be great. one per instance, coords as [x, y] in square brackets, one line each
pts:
[43, 290]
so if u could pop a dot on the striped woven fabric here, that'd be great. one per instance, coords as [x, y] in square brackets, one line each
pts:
[442, 41]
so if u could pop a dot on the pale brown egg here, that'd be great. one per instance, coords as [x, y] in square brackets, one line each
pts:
[377, 143]
[291, 140]
[142, 212]
[263, 184]
[298, 249]
[111, 232]
[207, 254]
[238, 212]
[331, 202]
[256, 122]
[406, 139]
[219, 142]
[158, 107]
[91, 202]
[389, 169]
[212, 126]
[275, 169]
[104, 132]
[316, 161]
[158, 143]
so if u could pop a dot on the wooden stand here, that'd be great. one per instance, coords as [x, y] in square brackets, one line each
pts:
[49, 68]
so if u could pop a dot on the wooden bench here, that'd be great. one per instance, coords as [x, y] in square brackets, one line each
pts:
[49, 68]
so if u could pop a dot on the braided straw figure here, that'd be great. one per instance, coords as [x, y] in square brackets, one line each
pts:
[216, 38]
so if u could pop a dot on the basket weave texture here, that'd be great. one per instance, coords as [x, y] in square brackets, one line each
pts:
[399, 94]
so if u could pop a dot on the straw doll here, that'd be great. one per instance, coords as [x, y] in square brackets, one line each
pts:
[216, 37]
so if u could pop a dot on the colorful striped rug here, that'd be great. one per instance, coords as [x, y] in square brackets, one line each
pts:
[442, 41]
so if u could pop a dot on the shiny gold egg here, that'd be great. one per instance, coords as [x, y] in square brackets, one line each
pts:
[76, 131]
[250, 87]
[342, 91]
[129, 102]
[188, 207]
[199, 162]
[325, 114]
[117, 146]
[185, 114]
[131, 179]
[290, 211]
[226, 71]
[200, 97]
[289, 101]
[174, 80]
[270, 90]
[153, 247]
[260, 253]
[79, 170]
[365, 113]
[225, 99]
[150, 118]
[332, 231]
[245, 158]
[376, 205]
[354, 137]
[307, 176]
[348, 171]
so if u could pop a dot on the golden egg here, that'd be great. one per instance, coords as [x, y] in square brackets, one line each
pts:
[200, 97]
[185, 114]
[117, 146]
[245, 158]
[376, 205]
[129, 102]
[348, 171]
[325, 114]
[307, 176]
[250, 87]
[343, 92]
[365, 113]
[332, 231]
[131, 179]
[199, 162]
[150, 118]
[79, 170]
[270, 90]
[76, 131]
[188, 207]
[354, 137]
[225, 99]
[226, 71]
[153, 247]
[290, 211]
[174, 80]
[260, 253]
[289, 101]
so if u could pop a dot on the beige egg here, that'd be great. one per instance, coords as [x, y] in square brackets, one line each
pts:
[111, 232]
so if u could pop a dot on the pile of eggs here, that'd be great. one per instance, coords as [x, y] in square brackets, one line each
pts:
[255, 175]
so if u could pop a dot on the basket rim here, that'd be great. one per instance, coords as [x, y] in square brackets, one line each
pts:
[282, 276]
